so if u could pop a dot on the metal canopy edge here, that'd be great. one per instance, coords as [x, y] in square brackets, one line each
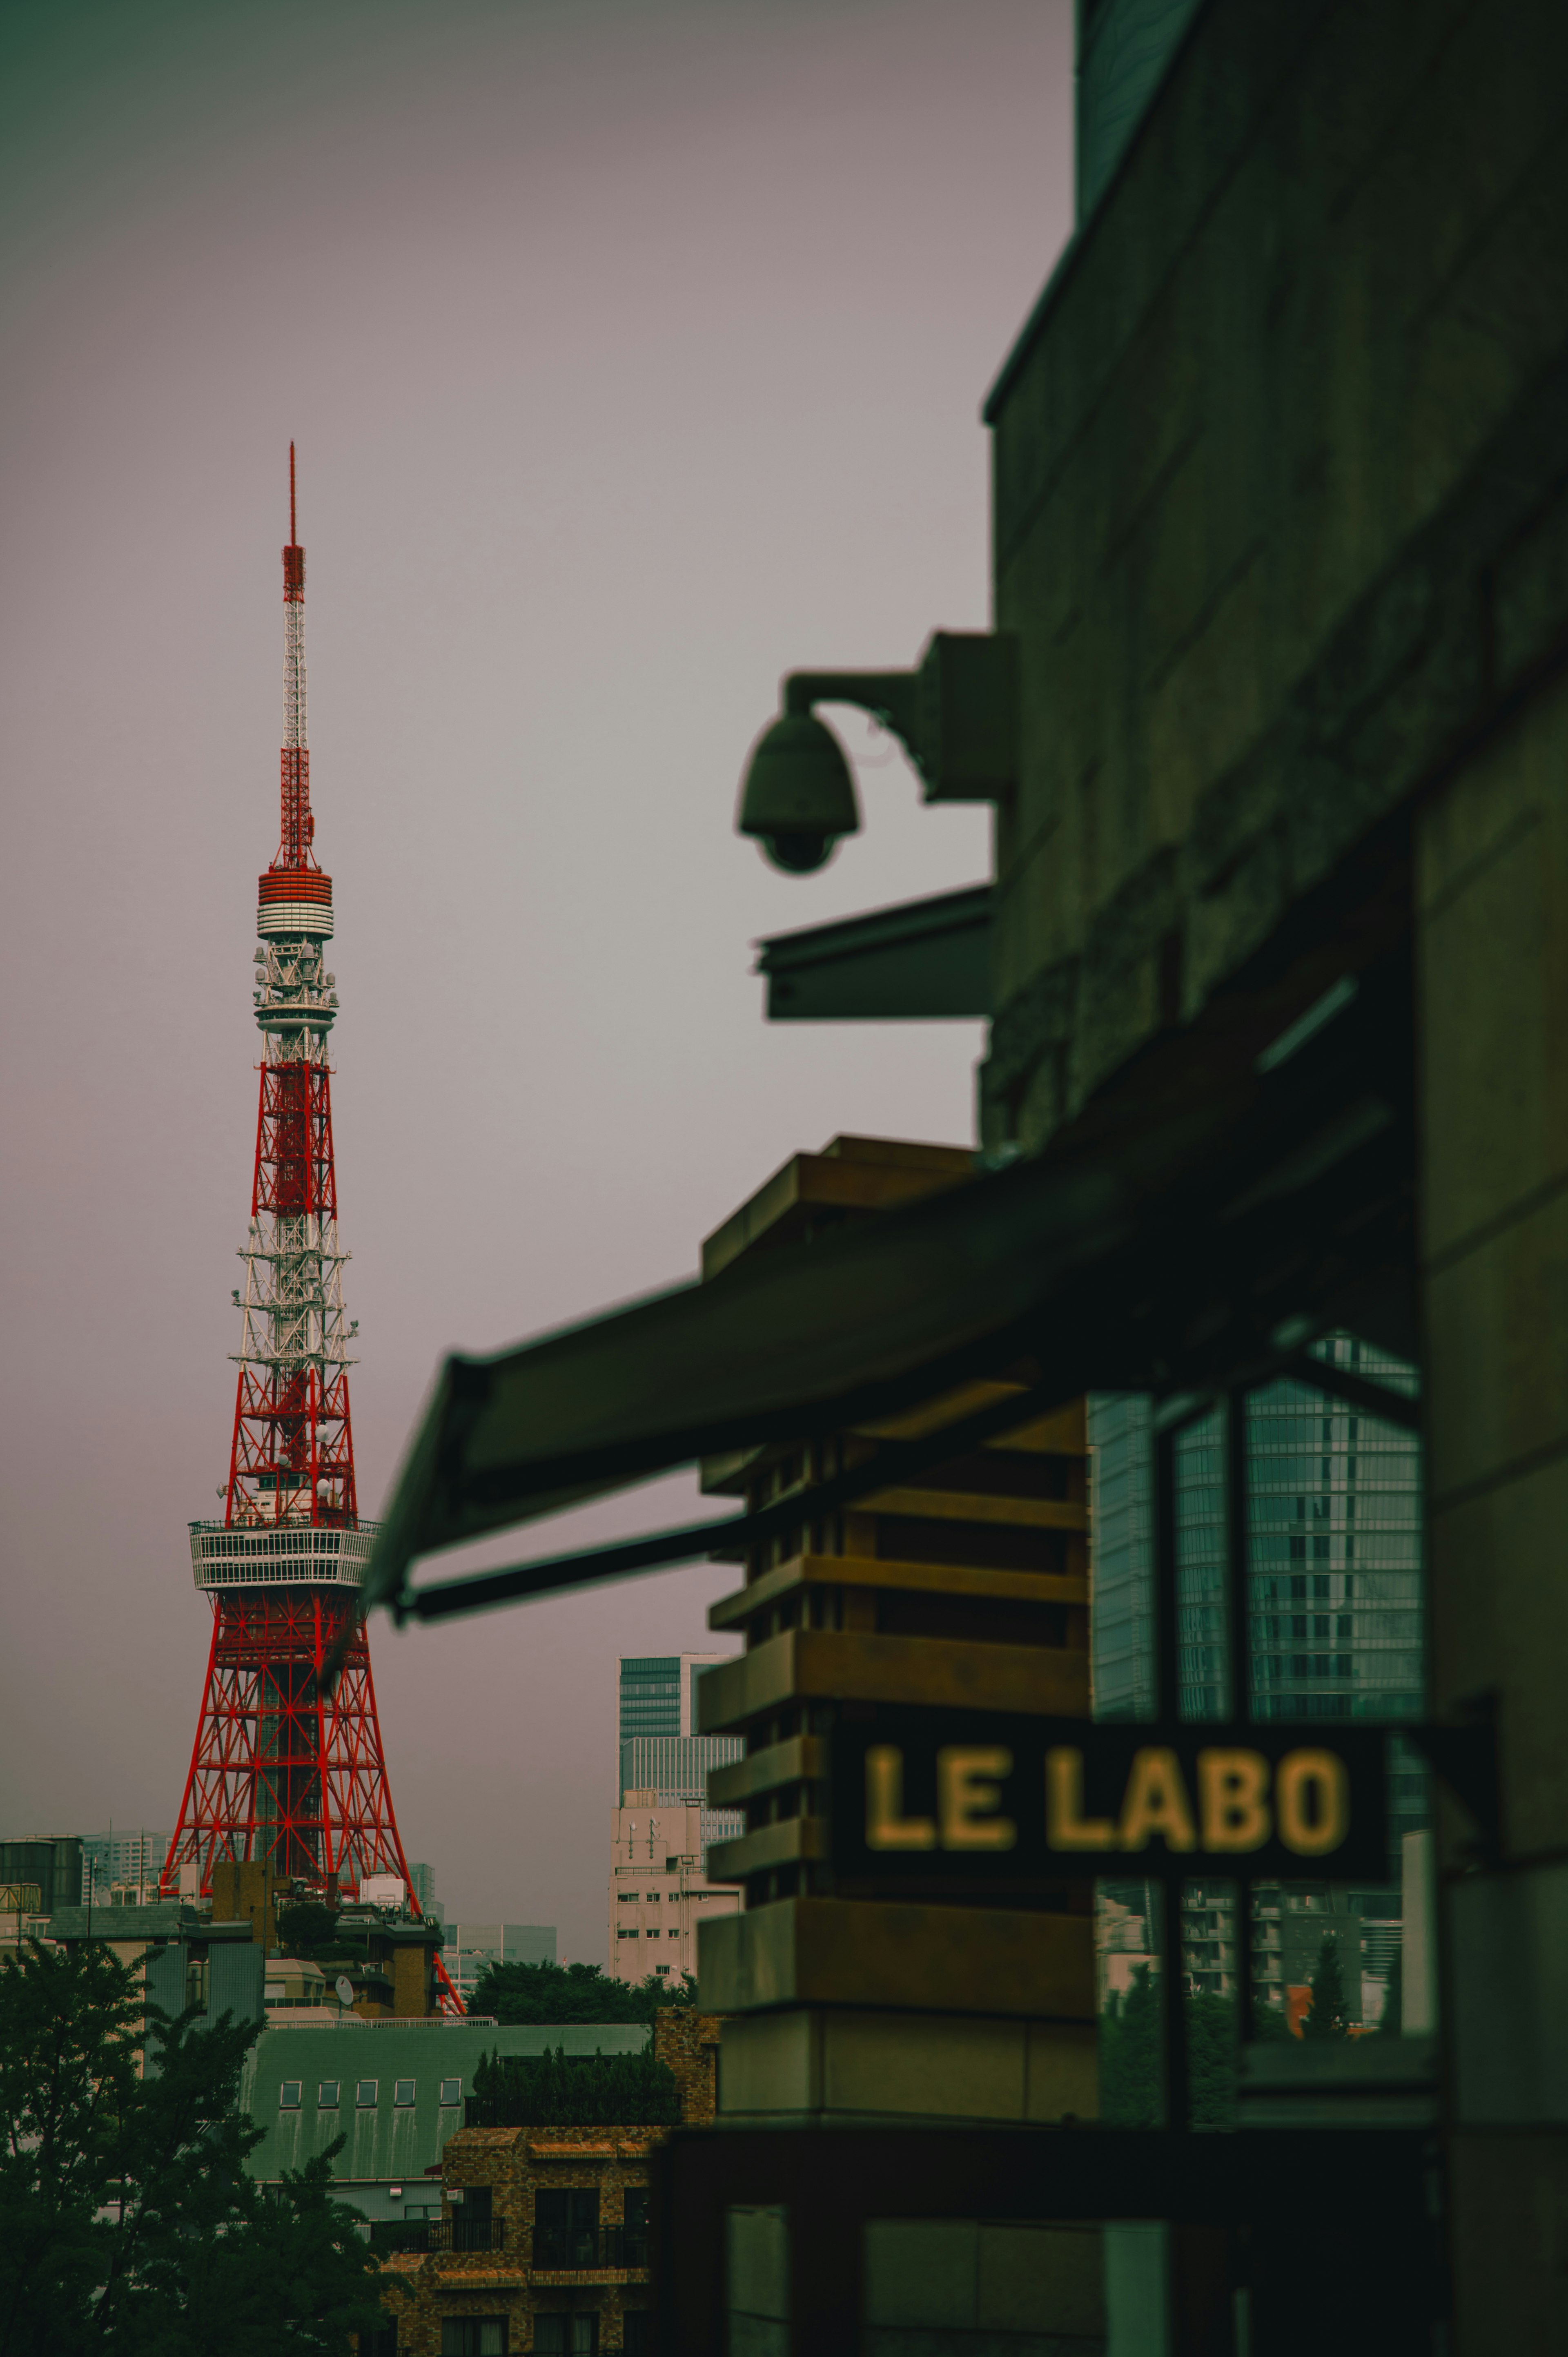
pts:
[923, 961]
[1168, 1238]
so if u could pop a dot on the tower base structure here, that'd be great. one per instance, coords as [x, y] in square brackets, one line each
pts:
[281, 1776]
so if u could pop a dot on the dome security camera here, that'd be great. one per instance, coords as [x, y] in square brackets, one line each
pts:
[799, 796]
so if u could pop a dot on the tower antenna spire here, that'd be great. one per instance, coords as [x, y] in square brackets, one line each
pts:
[280, 1776]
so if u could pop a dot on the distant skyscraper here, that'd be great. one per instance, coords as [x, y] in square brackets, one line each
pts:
[422, 1881]
[661, 1750]
[123, 1860]
[1334, 1556]
[658, 1692]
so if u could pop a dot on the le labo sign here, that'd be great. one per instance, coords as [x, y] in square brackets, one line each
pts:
[937, 1795]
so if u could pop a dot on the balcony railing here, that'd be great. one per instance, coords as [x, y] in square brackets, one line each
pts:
[577, 2249]
[425, 2235]
[568, 2249]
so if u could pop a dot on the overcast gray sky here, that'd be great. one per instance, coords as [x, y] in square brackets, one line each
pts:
[634, 354]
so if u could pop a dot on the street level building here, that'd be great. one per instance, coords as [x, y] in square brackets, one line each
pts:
[536, 2238]
[393, 2089]
[44, 1871]
[967, 1584]
[185, 1955]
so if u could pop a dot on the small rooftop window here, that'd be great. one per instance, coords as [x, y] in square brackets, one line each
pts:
[451, 2090]
[327, 2095]
[365, 2092]
[289, 2094]
[402, 2091]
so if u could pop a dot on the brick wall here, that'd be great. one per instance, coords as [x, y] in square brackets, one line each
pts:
[516, 2165]
[689, 2042]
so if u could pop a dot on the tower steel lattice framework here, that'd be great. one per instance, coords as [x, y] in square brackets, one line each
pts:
[279, 1774]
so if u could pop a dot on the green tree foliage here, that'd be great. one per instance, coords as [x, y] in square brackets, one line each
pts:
[128, 2225]
[554, 1993]
[1326, 2015]
[525, 2091]
[306, 1925]
[1211, 2060]
[1130, 2056]
[1131, 2067]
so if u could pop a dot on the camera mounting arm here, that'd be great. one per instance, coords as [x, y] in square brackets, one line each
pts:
[891, 696]
[956, 713]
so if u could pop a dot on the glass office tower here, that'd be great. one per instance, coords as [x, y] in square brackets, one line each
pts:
[657, 1693]
[661, 1750]
[1335, 1588]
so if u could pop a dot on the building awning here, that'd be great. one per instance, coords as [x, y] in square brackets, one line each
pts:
[1244, 1185]
[921, 960]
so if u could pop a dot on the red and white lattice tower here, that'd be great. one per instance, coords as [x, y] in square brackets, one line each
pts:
[280, 1774]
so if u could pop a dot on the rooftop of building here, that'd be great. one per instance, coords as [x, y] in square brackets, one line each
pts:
[386, 2140]
[851, 1175]
[160, 1918]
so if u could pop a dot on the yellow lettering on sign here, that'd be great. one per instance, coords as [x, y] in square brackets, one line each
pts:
[1155, 1801]
[1066, 1828]
[1312, 1801]
[1231, 1789]
[886, 1826]
[969, 1796]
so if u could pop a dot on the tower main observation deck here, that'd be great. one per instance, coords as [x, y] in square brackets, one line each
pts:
[279, 1774]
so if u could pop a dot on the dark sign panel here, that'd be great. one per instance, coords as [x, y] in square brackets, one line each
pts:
[980, 1797]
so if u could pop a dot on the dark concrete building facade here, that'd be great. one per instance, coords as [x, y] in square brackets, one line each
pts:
[1281, 526]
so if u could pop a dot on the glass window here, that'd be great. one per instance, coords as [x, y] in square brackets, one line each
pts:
[327, 2095]
[564, 2334]
[402, 2091]
[476, 2336]
[365, 2092]
[451, 2090]
[289, 2094]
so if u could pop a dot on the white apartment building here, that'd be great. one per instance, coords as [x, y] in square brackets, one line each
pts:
[659, 1892]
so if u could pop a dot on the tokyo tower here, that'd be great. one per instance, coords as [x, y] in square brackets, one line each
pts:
[279, 1774]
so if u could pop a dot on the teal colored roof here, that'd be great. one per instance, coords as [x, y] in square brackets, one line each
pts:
[388, 2141]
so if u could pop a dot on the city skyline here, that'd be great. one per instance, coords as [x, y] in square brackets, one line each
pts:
[570, 514]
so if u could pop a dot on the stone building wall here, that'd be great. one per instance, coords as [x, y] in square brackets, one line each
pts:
[1272, 471]
[516, 2164]
[1281, 521]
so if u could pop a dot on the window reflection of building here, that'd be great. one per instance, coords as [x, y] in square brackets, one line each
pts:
[1335, 1588]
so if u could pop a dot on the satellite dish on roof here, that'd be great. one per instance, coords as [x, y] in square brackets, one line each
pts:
[345, 1988]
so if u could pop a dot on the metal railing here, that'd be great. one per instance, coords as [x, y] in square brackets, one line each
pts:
[579, 2248]
[418, 2235]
